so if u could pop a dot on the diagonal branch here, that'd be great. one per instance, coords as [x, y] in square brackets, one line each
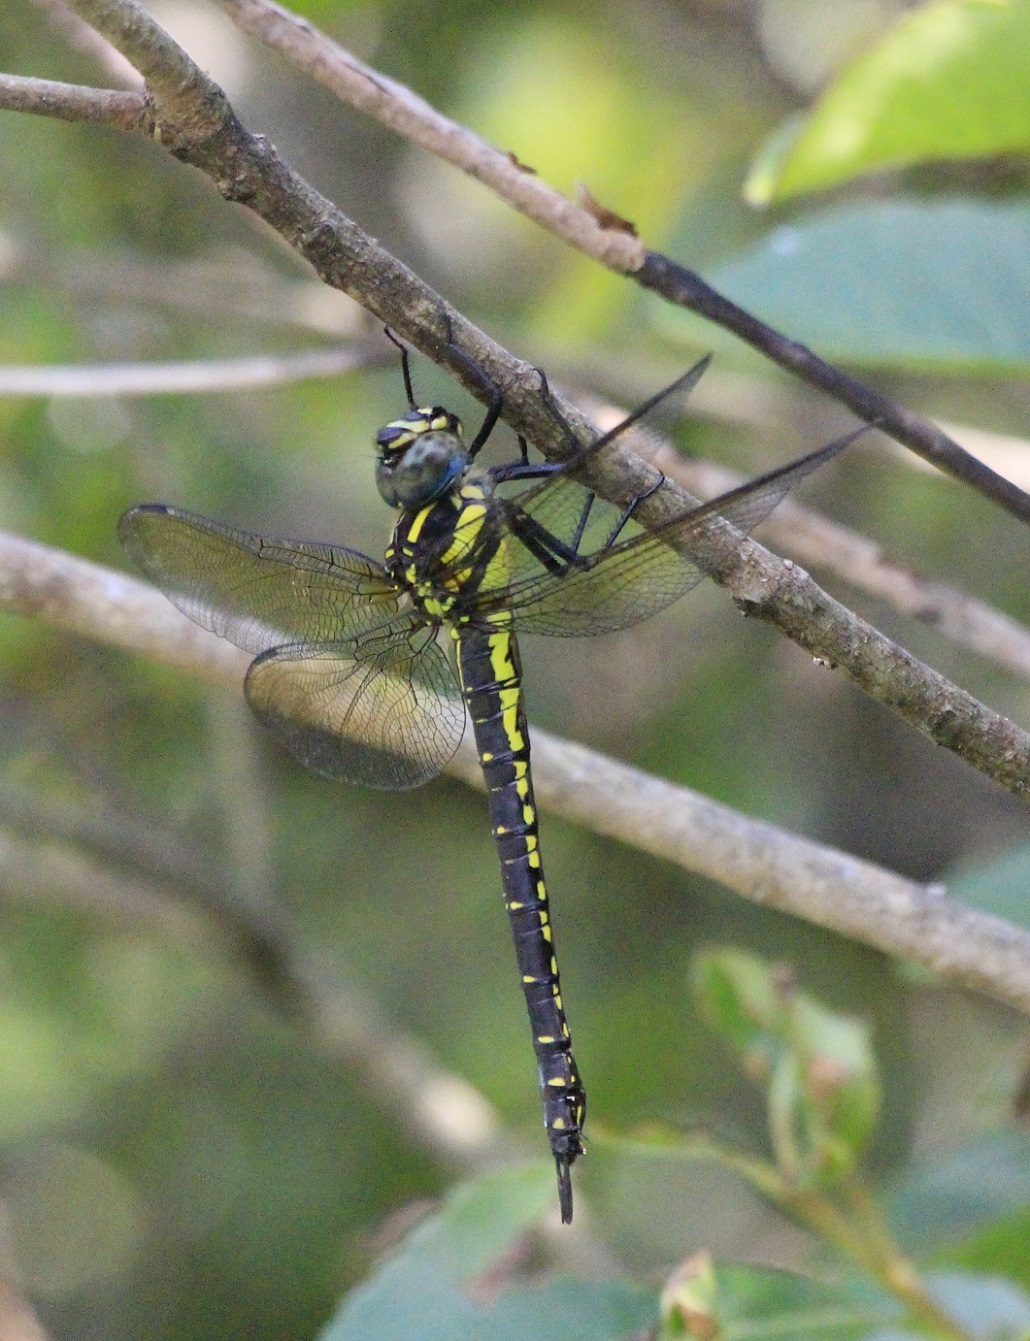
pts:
[758, 861]
[861, 562]
[379, 96]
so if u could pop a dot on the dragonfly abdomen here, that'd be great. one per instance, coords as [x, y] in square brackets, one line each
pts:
[491, 676]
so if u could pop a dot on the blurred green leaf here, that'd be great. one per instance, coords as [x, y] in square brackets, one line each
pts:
[984, 1306]
[757, 1302]
[448, 1279]
[953, 1198]
[908, 285]
[948, 82]
[741, 998]
[999, 887]
[1001, 1247]
[823, 1090]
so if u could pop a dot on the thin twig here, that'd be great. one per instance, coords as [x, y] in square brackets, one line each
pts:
[680, 285]
[194, 120]
[162, 379]
[126, 111]
[759, 861]
[396, 106]
[409, 115]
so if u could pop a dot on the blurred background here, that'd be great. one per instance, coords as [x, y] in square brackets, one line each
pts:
[173, 1151]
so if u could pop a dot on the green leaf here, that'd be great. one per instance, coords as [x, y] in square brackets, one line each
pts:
[951, 1199]
[759, 1302]
[941, 286]
[741, 999]
[999, 887]
[444, 1283]
[983, 1306]
[949, 81]
[822, 1085]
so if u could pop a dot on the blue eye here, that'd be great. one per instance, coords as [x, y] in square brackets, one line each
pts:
[412, 476]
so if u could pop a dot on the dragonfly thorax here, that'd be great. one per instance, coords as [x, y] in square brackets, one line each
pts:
[420, 457]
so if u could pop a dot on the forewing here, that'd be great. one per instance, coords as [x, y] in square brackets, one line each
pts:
[256, 592]
[383, 709]
[616, 586]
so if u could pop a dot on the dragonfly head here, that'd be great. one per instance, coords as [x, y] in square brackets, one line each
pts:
[420, 456]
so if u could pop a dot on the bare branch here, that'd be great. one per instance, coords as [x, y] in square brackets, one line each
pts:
[73, 102]
[947, 715]
[176, 82]
[396, 106]
[757, 860]
[862, 563]
[162, 379]
[779, 870]
[412, 117]
[109, 607]
[680, 285]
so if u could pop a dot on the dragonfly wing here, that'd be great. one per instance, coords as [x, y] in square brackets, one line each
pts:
[613, 587]
[256, 592]
[383, 709]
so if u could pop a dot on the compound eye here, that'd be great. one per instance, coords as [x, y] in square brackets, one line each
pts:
[421, 472]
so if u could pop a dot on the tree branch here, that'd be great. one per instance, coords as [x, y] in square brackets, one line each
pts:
[202, 375]
[760, 862]
[192, 105]
[410, 116]
[126, 111]
[396, 106]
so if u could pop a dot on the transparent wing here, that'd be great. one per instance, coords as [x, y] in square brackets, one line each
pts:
[614, 586]
[383, 709]
[257, 593]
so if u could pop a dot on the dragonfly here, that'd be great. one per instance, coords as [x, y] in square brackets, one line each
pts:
[349, 671]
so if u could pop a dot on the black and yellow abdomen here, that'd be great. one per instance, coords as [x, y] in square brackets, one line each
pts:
[491, 678]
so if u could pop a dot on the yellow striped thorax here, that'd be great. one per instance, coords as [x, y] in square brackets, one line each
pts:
[451, 551]
[420, 456]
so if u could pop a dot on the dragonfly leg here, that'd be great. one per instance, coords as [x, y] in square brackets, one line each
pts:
[495, 403]
[631, 507]
[405, 365]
